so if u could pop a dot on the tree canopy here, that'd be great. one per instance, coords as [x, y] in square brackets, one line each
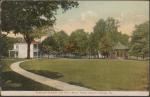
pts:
[6, 44]
[79, 39]
[102, 40]
[48, 45]
[61, 39]
[106, 35]
[25, 16]
[140, 40]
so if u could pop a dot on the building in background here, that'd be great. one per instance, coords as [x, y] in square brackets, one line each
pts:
[20, 50]
[120, 51]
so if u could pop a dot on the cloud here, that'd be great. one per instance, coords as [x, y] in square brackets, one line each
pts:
[128, 20]
[86, 21]
[121, 17]
[88, 14]
[127, 28]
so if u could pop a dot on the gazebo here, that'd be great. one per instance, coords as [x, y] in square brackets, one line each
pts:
[120, 51]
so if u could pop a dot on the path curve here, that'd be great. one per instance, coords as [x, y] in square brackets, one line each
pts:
[44, 80]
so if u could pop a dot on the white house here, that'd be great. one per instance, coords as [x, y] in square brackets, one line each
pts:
[20, 50]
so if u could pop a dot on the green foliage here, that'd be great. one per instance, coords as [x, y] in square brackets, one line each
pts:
[49, 45]
[6, 43]
[24, 16]
[105, 46]
[99, 32]
[92, 44]
[100, 29]
[106, 35]
[122, 38]
[56, 42]
[62, 43]
[79, 39]
[61, 39]
[140, 40]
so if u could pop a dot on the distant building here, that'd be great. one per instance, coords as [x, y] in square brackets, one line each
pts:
[120, 51]
[20, 50]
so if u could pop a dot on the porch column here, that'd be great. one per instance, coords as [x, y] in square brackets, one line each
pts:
[15, 54]
[9, 53]
[37, 50]
[116, 54]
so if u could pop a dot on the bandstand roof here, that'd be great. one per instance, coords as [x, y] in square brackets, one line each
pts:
[120, 46]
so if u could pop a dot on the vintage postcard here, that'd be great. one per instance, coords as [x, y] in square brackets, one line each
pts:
[74, 48]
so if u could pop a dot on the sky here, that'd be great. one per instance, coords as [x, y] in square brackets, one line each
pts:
[129, 14]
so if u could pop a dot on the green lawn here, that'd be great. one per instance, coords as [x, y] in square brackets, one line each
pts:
[13, 81]
[94, 73]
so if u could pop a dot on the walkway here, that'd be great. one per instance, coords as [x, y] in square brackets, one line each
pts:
[46, 81]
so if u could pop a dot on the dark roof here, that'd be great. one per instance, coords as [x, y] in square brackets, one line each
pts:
[120, 46]
[21, 40]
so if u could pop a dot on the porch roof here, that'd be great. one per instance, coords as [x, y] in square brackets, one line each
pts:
[120, 46]
[15, 50]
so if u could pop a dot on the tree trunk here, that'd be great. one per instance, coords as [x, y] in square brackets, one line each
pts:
[28, 50]
[107, 55]
[98, 54]
[48, 54]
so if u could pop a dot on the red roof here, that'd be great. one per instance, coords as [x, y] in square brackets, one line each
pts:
[35, 42]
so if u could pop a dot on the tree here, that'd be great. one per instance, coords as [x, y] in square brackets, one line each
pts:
[49, 45]
[92, 44]
[61, 39]
[103, 30]
[6, 43]
[79, 39]
[24, 16]
[139, 40]
[99, 31]
[122, 38]
[105, 46]
[1, 35]
[106, 35]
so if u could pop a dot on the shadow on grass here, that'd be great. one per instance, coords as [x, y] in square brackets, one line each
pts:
[46, 73]
[79, 84]
[13, 81]
[56, 75]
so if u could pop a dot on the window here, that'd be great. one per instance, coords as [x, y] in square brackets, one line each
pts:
[16, 54]
[17, 46]
[35, 46]
[35, 54]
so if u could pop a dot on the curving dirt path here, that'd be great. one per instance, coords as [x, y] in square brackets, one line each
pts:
[44, 80]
